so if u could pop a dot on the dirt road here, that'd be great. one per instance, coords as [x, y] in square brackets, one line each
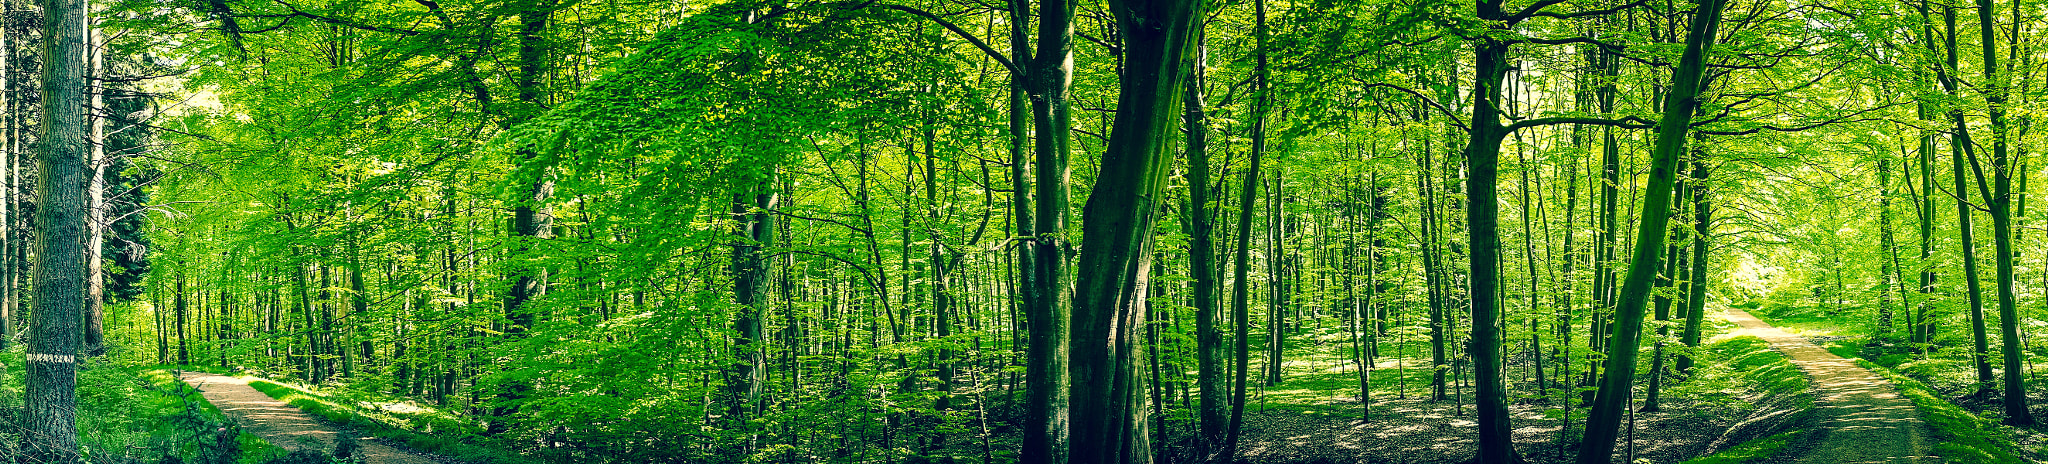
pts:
[1863, 419]
[284, 425]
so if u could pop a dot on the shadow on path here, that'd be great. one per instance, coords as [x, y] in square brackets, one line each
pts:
[284, 425]
[1863, 419]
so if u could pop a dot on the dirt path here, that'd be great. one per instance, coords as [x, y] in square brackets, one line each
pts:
[1862, 418]
[284, 425]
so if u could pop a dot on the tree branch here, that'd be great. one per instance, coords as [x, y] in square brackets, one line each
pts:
[942, 22]
[1534, 11]
[1627, 122]
[1418, 95]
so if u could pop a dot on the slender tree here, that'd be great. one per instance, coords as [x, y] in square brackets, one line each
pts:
[1696, 289]
[1999, 202]
[1604, 420]
[1201, 226]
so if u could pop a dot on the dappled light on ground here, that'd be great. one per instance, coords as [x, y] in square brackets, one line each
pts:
[284, 425]
[1862, 417]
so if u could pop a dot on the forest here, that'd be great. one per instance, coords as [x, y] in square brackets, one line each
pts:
[1036, 231]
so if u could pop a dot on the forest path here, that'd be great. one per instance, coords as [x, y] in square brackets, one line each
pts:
[284, 425]
[1863, 419]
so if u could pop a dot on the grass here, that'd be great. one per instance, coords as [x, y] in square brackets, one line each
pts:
[1755, 361]
[1749, 363]
[422, 429]
[142, 414]
[252, 449]
[1757, 449]
[1959, 436]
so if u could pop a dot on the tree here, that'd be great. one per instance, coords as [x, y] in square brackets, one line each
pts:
[1999, 201]
[1671, 134]
[1045, 289]
[1696, 290]
[51, 432]
[1201, 230]
[1116, 232]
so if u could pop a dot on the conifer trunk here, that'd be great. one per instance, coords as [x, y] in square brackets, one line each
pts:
[50, 432]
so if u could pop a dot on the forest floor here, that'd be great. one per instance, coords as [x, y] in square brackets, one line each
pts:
[1862, 417]
[1315, 417]
[287, 426]
[1835, 411]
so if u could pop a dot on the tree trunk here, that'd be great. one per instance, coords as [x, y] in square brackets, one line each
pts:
[51, 429]
[1482, 217]
[1674, 260]
[1202, 262]
[1923, 327]
[1047, 405]
[1888, 269]
[1433, 272]
[1696, 290]
[1240, 300]
[529, 223]
[1959, 142]
[1276, 274]
[750, 299]
[96, 215]
[1116, 234]
[1999, 201]
[1604, 248]
[1672, 128]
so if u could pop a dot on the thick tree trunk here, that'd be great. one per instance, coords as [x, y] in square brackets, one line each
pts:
[1116, 234]
[50, 432]
[1672, 128]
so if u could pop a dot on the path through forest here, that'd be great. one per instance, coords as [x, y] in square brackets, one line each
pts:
[1862, 417]
[284, 425]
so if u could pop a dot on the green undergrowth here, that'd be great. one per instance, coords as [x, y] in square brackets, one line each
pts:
[1959, 436]
[421, 428]
[1771, 417]
[1752, 450]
